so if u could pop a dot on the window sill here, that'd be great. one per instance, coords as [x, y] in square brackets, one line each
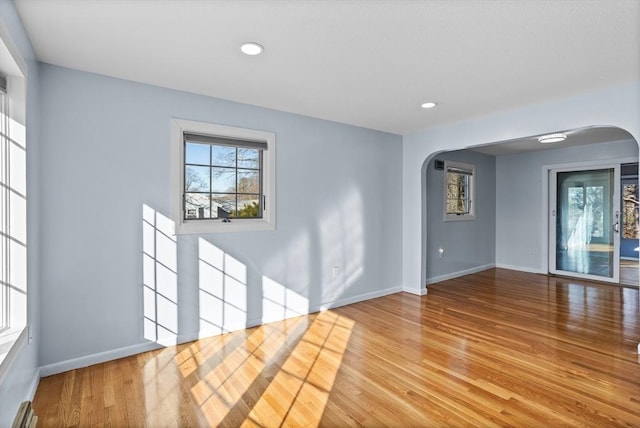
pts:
[11, 342]
[455, 217]
[217, 226]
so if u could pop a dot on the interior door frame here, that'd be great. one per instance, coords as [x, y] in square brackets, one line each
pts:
[545, 212]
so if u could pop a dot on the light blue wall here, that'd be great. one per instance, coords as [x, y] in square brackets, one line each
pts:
[106, 146]
[521, 234]
[470, 244]
[20, 380]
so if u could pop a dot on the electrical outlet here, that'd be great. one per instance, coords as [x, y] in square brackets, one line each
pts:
[335, 271]
[440, 252]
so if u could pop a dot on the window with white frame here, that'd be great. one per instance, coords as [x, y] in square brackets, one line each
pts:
[224, 177]
[13, 200]
[458, 191]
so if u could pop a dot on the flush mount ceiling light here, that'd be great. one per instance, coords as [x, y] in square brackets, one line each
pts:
[251, 48]
[428, 105]
[552, 138]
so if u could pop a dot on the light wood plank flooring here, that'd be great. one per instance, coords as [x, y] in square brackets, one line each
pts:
[496, 348]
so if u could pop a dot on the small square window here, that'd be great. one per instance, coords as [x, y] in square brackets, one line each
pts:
[225, 177]
[458, 191]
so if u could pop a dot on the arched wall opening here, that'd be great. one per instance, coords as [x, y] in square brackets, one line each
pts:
[510, 229]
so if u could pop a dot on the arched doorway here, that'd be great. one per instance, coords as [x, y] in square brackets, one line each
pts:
[512, 228]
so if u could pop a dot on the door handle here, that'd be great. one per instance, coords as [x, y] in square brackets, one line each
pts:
[616, 227]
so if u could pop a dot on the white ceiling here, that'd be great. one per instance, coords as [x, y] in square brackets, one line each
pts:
[366, 63]
[575, 137]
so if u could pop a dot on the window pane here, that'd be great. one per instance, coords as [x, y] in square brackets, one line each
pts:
[595, 201]
[196, 205]
[248, 181]
[224, 205]
[457, 198]
[224, 180]
[248, 158]
[224, 156]
[630, 215]
[196, 178]
[575, 206]
[248, 206]
[197, 153]
[585, 204]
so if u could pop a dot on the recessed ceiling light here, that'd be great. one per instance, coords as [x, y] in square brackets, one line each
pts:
[251, 48]
[552, 138]
[428, 105]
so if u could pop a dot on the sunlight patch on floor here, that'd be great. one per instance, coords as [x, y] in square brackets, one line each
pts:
[223, 385]
[298, 393]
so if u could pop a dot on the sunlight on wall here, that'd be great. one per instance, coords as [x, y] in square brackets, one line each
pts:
[236, 371]
[286, 287]
[342, 241]
[279, 302]
[298, 393]
[160, 279]
[222, 291]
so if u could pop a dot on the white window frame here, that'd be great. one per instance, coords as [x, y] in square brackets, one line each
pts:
[15, 333]
[470, 191]
[182, 226]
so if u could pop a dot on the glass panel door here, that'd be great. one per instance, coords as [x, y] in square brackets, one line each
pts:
[586, 224]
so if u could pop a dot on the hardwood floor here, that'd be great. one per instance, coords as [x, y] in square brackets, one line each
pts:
[496, 348]
[629, 273]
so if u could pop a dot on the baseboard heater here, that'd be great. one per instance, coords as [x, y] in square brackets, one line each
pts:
[25, 417]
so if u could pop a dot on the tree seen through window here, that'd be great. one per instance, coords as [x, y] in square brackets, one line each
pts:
[222, 181]
[630, 217]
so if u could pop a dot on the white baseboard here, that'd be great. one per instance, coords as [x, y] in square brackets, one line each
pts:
[254, 322]
[416, 291]
[101, 357]
[354, 299]
[31, 392]
[521, 268]
[460, 273]
[202, 334]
